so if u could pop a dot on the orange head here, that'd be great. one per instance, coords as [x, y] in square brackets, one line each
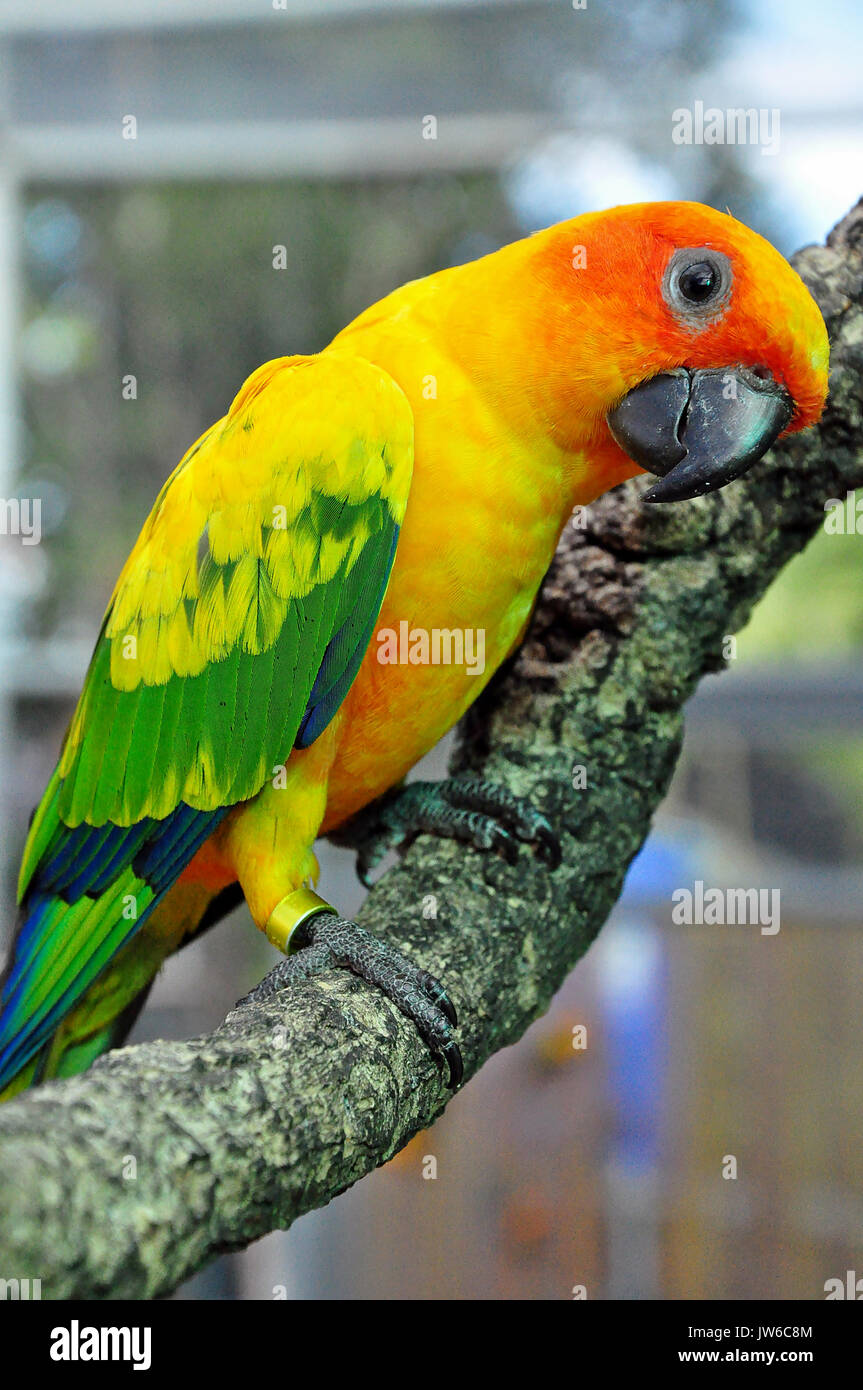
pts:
[668, 331]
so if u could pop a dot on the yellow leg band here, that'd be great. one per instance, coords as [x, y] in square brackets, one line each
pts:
[290, 913]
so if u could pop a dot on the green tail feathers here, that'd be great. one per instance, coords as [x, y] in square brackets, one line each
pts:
[104, 1010]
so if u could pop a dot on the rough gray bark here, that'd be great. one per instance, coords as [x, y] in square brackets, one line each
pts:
[288, 1103]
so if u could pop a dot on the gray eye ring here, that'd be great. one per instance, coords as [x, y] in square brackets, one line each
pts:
[692, 262]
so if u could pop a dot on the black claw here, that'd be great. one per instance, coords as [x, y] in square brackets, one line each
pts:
[448, 1008]
[438, 995]
[451, 1054]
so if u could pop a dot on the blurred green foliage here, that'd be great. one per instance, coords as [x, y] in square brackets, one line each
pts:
[814, 610]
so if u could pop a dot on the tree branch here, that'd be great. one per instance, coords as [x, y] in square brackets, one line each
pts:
[290, 1102]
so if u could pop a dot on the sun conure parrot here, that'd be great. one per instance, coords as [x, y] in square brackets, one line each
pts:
[419, 470]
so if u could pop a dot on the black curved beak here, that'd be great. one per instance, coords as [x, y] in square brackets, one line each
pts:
[698, 429]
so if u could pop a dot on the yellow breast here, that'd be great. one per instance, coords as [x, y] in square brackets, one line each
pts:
[485, 511]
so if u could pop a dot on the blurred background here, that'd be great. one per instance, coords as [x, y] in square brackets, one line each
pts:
[152, 160]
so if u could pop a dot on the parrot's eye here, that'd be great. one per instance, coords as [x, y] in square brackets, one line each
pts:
[697, 283]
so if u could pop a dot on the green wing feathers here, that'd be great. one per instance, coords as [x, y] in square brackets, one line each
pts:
[220, 618]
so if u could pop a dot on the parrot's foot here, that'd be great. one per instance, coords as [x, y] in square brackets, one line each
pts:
[326, 940]
[463, 808]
